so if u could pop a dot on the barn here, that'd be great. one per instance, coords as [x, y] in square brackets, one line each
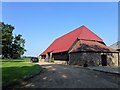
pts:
[81, 47]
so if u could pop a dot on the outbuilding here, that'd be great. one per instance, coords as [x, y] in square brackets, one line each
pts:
[81, 47]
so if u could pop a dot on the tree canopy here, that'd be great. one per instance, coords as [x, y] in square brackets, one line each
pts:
[12, 46]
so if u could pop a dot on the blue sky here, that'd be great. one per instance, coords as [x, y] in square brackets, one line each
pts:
[41, 23]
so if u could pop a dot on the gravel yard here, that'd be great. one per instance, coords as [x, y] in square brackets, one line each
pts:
[64, 76]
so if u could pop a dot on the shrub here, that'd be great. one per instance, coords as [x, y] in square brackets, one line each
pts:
[52, 60]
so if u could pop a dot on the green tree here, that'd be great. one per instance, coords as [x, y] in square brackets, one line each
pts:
[0, 39]
[7, 37]
[12, 47]
[18, 46]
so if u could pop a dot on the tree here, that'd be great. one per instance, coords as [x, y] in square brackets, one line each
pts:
[12, 47]
[7, 38]
[18, 46]
[0, 39]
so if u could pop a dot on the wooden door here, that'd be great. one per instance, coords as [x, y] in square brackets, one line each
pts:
[104, 60]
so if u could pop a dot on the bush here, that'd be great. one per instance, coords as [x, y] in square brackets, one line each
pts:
[52, 60]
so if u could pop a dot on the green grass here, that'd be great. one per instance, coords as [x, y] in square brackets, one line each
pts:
[13, 70]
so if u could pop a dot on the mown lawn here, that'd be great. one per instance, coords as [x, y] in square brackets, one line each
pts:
[13, 70]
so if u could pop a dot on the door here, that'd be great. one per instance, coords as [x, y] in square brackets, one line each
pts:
[104, 60]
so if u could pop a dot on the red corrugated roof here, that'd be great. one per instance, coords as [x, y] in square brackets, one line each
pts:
[66, 41]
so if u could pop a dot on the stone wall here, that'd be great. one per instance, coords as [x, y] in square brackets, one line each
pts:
[112, 59]
[92, 59]
[60, 62]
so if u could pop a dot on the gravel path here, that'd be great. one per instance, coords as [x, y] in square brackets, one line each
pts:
[63, 76]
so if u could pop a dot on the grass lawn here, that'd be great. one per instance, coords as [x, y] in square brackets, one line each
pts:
[13, 70]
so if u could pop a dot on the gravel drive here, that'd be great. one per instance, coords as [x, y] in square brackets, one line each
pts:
[65, 76]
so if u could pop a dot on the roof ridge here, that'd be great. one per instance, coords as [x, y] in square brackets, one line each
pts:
[88, 31]
[71, 31]
[80, 31]
[94, 33]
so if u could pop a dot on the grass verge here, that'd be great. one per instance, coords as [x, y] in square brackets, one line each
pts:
[13, 70]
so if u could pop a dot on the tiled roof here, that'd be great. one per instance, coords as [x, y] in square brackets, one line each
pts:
[85, 45]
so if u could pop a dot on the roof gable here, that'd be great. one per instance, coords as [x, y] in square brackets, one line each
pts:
[87, 34]
[64, 42]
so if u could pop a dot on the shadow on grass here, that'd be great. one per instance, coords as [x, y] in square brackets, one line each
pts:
[12, 74]
[11, 61]
[14, 60]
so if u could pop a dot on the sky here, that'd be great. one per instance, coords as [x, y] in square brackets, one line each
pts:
[60, 0]
[40, 23]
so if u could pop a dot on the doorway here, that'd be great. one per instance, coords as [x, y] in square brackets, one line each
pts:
[104, 60]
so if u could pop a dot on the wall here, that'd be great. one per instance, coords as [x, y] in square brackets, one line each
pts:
[60, 56]
[112, 59]
[57, 56]
[60, 62]
[92, 59]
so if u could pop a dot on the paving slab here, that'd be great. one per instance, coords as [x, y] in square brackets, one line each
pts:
[107, 69]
